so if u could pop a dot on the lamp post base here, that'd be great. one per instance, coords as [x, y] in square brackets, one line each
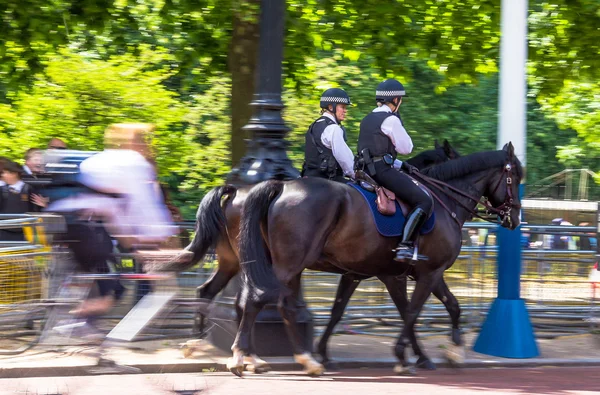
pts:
[269, 335]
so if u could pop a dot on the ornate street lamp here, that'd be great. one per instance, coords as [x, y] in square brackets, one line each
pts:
[266, 156]
[266, 159]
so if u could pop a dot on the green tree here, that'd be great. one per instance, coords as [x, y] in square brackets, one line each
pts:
[78, 97]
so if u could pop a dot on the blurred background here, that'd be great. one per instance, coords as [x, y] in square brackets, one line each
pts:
[70, 68]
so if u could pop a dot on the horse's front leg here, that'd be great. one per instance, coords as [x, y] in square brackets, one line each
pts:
[287, 307]
[422, 291]
[397, 288]
[346, 288]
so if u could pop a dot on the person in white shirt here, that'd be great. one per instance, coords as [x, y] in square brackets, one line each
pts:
[382, 136]
[124, 202]
[326, 154]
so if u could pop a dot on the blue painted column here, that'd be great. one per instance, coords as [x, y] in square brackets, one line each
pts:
[507, 330]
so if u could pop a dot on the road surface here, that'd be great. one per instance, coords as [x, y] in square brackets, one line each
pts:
[559, 381]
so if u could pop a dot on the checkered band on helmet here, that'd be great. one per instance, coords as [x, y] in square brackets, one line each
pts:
[388, 90]
[334, 96]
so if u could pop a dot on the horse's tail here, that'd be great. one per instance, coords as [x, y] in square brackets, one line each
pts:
[210, 226]
[255, 258]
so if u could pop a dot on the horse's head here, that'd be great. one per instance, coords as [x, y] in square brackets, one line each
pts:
[502, 190]
[441, 154]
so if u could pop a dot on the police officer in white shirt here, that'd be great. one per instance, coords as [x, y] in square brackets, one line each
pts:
[326, 153]
[382, 136]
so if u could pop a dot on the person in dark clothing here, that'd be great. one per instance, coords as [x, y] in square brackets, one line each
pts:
[382, 136]
[326, 154]
[92, 247]
[16, 197]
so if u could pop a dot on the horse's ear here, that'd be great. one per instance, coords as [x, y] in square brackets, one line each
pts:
[447, 146]
[505, 148]
[436, 144]
[510, 149]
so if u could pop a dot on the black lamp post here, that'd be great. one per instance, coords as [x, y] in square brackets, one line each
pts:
[266, 156]
[266, 159]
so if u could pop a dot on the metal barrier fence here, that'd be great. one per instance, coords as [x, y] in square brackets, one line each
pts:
[554, 283]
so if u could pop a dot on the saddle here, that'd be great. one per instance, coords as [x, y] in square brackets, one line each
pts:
[385, 198]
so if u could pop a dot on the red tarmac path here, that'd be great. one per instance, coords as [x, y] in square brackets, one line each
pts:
[550, 380]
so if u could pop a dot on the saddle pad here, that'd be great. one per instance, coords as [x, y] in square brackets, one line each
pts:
[390, 225]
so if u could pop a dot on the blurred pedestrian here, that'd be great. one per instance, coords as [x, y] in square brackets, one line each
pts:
[34, 163]
[124, 202]
[56, 143]
[16, 197]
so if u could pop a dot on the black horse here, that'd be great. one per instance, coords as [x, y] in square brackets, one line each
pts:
[217, 226]
[286, 228]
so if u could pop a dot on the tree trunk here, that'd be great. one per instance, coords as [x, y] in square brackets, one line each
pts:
[243, 56]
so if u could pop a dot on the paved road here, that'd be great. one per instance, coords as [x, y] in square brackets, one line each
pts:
[558, 381]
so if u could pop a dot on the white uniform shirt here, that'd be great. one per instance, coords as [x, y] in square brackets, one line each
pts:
[333, 139]
[140, 213]
[17, 186]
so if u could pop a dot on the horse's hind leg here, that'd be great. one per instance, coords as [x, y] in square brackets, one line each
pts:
[242, 345]
[455, 353]
[396, 286]
[215, 284]
[287, 307]
[346, 288]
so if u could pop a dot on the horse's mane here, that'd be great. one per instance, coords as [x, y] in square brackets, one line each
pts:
[469, 164]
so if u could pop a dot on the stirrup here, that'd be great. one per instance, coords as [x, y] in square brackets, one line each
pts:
[409, 254]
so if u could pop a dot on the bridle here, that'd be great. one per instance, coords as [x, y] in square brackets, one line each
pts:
[503, 210]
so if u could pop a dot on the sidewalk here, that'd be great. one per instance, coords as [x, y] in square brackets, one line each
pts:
[349, 351]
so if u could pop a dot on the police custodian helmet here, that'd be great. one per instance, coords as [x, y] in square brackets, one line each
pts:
[334, 96]
[388, 90]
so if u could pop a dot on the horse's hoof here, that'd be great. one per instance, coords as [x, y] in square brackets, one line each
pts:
[187, 351]
[315, 370]
[455, 355]
[331, 365]
[260, 369]
[235, 367]
[425, 363]
[237, 371]
[311, 367]
[405, 370]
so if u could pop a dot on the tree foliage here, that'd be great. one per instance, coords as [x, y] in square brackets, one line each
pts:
[69, 68]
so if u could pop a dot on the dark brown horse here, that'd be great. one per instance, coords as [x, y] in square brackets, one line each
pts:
[310, 223]
[218, 225]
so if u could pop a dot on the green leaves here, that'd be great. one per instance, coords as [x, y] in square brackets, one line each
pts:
[79, 96]
[71, 67]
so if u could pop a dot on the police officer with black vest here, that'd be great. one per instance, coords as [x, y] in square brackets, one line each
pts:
[382, 136]
[326, 153]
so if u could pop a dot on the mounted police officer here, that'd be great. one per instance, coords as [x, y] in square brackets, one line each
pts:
[382, 136]
[326, 153]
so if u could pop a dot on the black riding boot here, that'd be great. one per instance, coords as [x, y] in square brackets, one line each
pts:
[405, 249]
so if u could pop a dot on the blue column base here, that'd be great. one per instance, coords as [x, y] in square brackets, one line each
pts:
[507, 331]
